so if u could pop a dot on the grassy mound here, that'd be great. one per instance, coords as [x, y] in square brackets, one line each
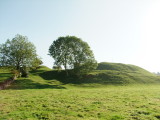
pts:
[121, 67]
[106, 74]
[35, 81]
[117, 73]
[119, 77]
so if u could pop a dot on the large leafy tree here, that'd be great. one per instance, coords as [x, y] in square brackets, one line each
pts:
[18, 53]
[72, 53]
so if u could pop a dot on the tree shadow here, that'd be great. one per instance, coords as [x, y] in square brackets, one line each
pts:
[29, 84]
[101, 78]
[37, 72]
[63, 78]
[54, 75]
[4, 76]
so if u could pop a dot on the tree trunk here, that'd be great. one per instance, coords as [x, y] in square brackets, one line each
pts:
[65, 65]
[24, 72]
[18, 67]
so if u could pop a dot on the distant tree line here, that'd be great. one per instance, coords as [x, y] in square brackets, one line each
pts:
[156, 73]
[68, 52]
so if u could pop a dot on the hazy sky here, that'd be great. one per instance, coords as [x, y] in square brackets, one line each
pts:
[121, 31]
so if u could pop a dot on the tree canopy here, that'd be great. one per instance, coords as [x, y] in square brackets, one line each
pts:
[72, 53]
[18, 53]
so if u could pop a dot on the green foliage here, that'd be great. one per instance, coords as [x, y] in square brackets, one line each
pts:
[72, 52]
[18, 53]
[88, 66]
[16, 73]
[36, 63]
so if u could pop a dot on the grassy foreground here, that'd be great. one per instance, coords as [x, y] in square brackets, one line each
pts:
[77, 103]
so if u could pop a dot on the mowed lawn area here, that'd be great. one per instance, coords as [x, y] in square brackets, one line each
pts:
[135, 102]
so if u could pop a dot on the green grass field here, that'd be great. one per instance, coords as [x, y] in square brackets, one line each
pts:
[45, 96]
[78, 103]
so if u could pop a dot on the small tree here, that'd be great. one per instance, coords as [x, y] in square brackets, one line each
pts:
[72, 53]
[18, 53]
[36, 63]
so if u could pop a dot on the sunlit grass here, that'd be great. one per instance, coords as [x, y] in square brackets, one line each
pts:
[108, 103]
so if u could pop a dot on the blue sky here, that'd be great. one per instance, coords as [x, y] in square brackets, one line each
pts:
[121, 31]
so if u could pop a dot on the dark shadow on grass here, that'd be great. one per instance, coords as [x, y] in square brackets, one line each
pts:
[37, 72]
[63, 78]
[29, 84]
[5, 74]
[100, 78]
[60, 76]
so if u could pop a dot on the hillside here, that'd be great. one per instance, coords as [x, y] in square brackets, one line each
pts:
[121, 67]
[106, 74]
[35, 81]
[118, 73]
[5, 73]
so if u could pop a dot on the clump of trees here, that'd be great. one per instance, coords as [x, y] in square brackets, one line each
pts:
[20, 54]
[72, 53]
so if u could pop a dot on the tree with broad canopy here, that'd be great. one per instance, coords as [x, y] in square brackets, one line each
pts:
[72, 53]
[19, 54]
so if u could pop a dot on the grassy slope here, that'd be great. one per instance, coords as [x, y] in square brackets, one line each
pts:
[120, 67]
[106, 73]
[4, 74]
[42, 96]
[35, 81]
[117, 73]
